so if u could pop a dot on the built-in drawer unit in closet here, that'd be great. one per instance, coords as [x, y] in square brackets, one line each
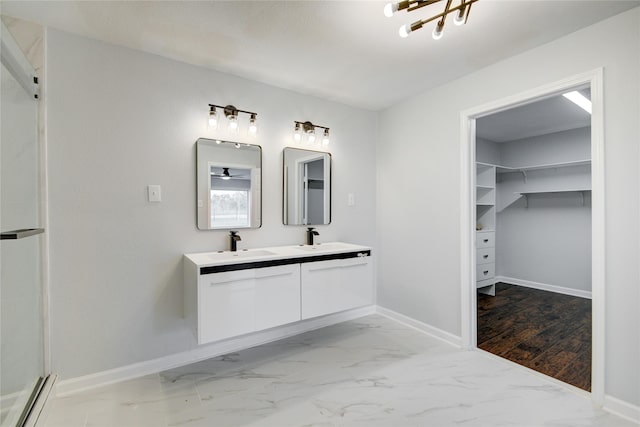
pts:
[485, 259]
[232, 294]
[485, 226]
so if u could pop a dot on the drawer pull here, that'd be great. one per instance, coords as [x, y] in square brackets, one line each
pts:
[486, 240]
[485, 256]
[485, 272]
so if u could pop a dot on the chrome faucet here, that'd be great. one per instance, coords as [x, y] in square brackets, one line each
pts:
[310, 233]
[233, 240]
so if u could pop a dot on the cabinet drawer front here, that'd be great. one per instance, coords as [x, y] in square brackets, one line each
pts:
[485, 239]
[225, 309]
[337, 285]
[485, 256]
[485, 271]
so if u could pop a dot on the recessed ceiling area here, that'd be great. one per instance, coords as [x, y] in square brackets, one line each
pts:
[344, 51]
[550, 115]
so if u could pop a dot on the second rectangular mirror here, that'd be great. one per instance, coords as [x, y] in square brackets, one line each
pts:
[307, 187]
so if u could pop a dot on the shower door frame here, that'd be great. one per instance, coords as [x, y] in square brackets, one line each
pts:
[15, 61]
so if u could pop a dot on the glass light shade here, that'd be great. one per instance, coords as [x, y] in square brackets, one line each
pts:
[437, 32]
[459, 18]
[233, 124]
[390, 9]
[311, 137]
[404, 31]
[325, 137]
[297, 133]
[213, 119]
[253, 125]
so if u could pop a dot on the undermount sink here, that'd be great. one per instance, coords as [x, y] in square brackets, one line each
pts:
[218, 256]
[322, 247]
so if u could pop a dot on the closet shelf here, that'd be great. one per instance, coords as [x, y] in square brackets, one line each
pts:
[525, 194]
[485, 187]
[563, 190]
[508, 169]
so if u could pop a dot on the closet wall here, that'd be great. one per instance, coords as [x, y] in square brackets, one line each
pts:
[543, 237]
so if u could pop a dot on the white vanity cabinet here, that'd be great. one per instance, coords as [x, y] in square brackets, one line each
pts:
[336, 285]
[233, 303]
[228, 294]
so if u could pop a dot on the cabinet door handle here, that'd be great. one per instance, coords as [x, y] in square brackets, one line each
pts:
[485, 272]
[485, 256]
[486, 240]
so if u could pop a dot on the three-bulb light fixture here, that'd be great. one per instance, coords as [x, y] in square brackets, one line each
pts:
[308, 129]
[461, 15]
[231, 113]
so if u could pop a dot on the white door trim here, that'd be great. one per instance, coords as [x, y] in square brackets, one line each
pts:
[467, 200]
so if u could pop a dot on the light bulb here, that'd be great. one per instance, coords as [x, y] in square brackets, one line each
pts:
[233, 124]
[404, 31]
[218, 142]
[297, 133]
[390, 9]
[253, 125]
[325, 137]
[459, 18]
[437, 32]
[213, 118]
[311, 137]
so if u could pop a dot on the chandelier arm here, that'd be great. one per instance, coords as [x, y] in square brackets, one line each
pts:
[466, 18]
[446, 12]
[421, 3]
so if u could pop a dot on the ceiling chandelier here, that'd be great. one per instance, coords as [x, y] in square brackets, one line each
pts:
[461, 14]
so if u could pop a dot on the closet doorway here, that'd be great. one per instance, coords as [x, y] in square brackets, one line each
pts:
[533, 274]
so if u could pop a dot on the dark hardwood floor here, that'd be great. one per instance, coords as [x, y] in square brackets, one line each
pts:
[544, 331]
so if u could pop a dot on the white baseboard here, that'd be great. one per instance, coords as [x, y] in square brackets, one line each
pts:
[136, 370]
[420, 326]
[622, 409]
[545, 287]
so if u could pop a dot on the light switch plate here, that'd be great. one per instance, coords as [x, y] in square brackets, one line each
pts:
[351, 199]
[155, 193]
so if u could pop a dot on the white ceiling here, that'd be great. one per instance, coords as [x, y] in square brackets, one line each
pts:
[550, 115]
[345, 51]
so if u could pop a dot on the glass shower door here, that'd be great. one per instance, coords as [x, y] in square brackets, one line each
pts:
[21, 305]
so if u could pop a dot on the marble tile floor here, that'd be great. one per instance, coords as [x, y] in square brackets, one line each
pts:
[367, 372]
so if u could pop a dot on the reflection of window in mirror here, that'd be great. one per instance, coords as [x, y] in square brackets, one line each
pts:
[229, 185]
[230, 197]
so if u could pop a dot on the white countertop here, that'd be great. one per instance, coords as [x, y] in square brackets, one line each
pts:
[207, 259]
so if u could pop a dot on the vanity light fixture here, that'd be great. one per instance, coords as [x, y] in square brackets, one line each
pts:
[461, 15]
[231, 113]
[309, 129]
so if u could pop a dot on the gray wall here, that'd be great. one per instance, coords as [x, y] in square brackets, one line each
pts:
[119, 120]
[419, 265]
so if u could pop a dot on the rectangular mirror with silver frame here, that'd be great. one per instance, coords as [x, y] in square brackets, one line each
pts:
[229, 185]
[306, 187]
